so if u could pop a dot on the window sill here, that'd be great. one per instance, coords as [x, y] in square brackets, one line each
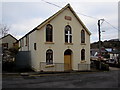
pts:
[49, 42]
[68, 43]
[51, 65]
[83, 43]
[83, 61]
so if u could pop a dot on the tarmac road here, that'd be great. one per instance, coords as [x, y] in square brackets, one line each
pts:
[108, 79]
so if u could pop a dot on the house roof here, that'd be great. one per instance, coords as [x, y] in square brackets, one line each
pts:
[27, 34]
[7, 36]
[56, 14]
[97, 50]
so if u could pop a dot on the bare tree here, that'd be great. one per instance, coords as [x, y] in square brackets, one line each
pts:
[4, 30]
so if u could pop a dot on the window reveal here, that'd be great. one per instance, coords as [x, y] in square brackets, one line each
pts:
[49, 57]
[68, 34]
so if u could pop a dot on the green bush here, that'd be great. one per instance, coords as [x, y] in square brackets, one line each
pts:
[104, 66]
[97, 64]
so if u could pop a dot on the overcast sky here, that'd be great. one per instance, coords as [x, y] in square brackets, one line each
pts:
[22, 17]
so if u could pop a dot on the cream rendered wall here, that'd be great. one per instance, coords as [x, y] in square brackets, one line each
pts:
[34, 53]
[59, 45]
[10, 40]
[25, 48]
[21, 47]
[30, 47]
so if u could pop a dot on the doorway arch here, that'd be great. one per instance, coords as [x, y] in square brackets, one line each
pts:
[68, 60]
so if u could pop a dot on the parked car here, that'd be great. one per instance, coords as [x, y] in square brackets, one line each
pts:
[97, 58]
[111, 61]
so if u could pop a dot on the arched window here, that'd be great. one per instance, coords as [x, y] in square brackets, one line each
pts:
[82, 36]
[83, 54]
[49, 30]
[49, 56]
[68, 34]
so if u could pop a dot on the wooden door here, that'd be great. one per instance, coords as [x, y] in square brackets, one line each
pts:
[67, 62]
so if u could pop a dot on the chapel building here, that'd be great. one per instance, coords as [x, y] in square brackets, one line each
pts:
[60, 43]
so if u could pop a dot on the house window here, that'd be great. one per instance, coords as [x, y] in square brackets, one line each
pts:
[14, 44]
[83, 54]
[35, 47]
[5, 45]
[49, 57]
[68, 34]
[49, 30]
[82, 36]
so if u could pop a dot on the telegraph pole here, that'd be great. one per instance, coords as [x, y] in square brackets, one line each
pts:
[99, 31]
[99, 37]
[99, 42]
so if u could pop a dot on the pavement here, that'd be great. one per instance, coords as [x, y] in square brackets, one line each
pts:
[113, 68]
[48, 73]
[43, 73]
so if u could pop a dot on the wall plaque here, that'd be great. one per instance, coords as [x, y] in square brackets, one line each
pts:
[68, 18]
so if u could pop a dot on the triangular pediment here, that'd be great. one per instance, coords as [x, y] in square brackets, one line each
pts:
[60, 11]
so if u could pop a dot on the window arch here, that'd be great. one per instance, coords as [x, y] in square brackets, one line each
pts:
[68, 34]
[49, 33]
[49, 56]
[83, 54]
[82, 36]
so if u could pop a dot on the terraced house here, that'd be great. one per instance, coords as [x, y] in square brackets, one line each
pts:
[60, 43]
[8, 41]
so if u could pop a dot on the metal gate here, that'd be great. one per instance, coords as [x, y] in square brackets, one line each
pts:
[23, 59]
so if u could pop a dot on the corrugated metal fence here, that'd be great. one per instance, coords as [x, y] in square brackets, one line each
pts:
[23, 59]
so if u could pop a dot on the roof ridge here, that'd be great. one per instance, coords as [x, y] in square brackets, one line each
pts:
[8, 35]
[36, 28]
[56, 14]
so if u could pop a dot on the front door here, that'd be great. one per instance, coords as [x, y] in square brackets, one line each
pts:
[67, 60]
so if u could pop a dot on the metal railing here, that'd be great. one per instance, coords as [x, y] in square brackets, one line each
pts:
[61, 67]
[53, 67]
[82, 67]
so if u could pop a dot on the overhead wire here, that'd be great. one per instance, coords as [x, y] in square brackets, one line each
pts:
[82, 14]
[51, 3]
[112, 25]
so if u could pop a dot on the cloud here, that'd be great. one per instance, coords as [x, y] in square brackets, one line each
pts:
[61, 0]
[108, 11]
[23, 27]
[24, 16]
[107, 36]
[17, 11]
